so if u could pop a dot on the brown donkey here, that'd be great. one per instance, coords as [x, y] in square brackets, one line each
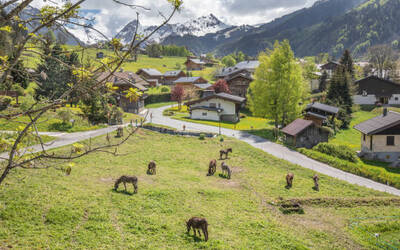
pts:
[151, 169]
[198, 223]
[225, 152]
[212, 168]
[127, 179]
[289, 180]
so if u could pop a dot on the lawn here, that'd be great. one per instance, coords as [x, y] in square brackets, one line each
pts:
[159, 105]
[46, 209]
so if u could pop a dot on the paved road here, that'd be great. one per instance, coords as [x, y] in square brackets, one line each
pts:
[64, 139]
[276, 150]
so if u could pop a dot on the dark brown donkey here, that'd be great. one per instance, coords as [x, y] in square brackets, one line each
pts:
[198, 223]
[224, 152]
[151, 169]
[212, 168]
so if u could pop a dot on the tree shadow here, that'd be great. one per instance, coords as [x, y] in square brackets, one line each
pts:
[195, 238]
[288, 187]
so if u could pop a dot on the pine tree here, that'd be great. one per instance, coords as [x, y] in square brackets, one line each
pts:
[279, 89]
[347, 62]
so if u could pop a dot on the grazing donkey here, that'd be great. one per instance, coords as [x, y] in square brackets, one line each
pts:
[289, 179]
[152, 168]
[225, 152]
[127, 179]
[316, 182]
[225, 168]
[198, 223]
[212, 168]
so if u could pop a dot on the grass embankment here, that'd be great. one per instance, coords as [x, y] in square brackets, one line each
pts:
[51, 210]
[7, 140]
[254, 125]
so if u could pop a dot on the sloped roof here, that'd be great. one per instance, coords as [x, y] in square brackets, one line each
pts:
[240, 75]
[377, 78]
[151, 72]
[124, 78]
[296, 127]
[196, 61]
[173, 73]
[248, 65]
[202, 85]
[379, 123]
[187, 79]
[225, 96]
[323, 107]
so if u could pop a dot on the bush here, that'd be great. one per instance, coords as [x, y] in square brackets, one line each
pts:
[4, 102]
[60, 126]
[26, 102]
[165, 89]
[339, 151]
[374, 173]
[202, 136]
[166, 97]
[65, 115]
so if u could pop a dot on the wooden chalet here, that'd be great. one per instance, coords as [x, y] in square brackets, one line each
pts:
[304, 134]
[320, 113]
[380, 137]
[330, 68]
[171, 76]
[238, 84]
[192, 82]
[153, 76]
[194, 64]
[124, 81]
[374, 90]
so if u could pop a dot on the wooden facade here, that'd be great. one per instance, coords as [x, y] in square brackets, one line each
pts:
[239, 84]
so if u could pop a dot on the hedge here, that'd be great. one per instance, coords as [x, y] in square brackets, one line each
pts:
[156, 98]
[339, 151]
[374, 173]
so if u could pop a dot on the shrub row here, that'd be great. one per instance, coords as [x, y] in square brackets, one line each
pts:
[340, 151]
[156, 98]
[373, 173]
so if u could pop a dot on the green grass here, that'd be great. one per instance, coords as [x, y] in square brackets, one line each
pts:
[10, 137]
[158, 90]
[159, 105]
[51, 122]
[46, 209]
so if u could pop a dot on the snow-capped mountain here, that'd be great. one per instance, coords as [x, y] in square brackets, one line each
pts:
[195, 27]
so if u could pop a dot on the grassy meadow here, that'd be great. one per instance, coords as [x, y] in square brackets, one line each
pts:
[46, 209]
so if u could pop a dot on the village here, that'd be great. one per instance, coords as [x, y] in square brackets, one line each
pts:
[118, 143]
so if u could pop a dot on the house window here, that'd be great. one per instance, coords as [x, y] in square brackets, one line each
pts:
[364, 93]
[204, 114]
[213, 105]
[396, 98]
[390, 141]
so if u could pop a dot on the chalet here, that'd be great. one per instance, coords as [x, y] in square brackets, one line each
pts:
[153, 76]
[194, 64]
[238, 84]
[320, 113]
[304, 134]
[330, 68]
[373, 90]
[171, 76]
[125, 81]
[380, 137]
[192, 82]
[246, 68]
[216, 107]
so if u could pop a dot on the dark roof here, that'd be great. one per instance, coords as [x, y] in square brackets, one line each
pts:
[196, 61]
[206, 108]
[240, 75]
[125, 78]
[151, 72]
[248, 65]
[230, 71]
[377, 78]
[296, 127]
[323, 107]
[379, 123]
[316, 115]
[202, 85]
[225, 96]
[187, 79]
[329, 63]
[173, 73]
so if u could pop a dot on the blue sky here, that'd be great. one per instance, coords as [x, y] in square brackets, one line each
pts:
[111, 17]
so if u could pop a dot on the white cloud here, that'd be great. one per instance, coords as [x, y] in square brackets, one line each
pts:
[111, 17]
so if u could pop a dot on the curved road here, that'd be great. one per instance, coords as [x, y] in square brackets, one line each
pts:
[274, 149]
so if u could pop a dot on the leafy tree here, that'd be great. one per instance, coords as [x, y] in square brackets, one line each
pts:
[19, 75]
[382, 58]
[229, 61]
[221, 86]
[178, 94]
[279, 89]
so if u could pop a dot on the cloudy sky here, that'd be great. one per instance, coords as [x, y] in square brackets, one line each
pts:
[111, 17]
